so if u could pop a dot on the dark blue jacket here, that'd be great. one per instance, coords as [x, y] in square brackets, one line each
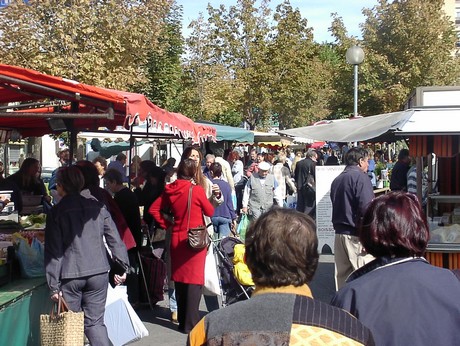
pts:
[74, 246]
[351, 193]
[398, 181]
[226, 209]
[404, 302]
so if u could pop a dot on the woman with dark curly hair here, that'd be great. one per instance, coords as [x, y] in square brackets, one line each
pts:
[401, 297]
[153, 187]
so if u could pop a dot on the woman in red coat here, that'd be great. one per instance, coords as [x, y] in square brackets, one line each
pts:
[187, 264]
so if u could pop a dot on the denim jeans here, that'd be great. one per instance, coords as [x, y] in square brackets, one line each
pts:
[221, 226]
[172, 299]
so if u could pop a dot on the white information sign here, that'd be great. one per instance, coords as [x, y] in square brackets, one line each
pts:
[325, 175]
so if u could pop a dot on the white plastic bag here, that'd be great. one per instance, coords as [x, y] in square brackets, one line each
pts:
[291, 201]
[211, 277]
[122, 322]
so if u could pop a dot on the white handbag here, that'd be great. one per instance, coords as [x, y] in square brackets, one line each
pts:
[211, 277]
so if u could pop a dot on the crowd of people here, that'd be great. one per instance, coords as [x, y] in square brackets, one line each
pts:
[380, 273]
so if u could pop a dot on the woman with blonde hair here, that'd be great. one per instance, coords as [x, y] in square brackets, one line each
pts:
[297, 158]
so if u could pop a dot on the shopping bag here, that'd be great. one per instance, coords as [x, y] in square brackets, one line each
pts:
[62, 326]
[211, 277]
[123, 324]
[242, 226]
[31, 258]
[291, 201]
[154, 271]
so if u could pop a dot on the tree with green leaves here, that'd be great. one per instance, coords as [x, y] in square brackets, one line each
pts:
[104, 43]
[228, 61]
[408, 43]
[164, 68]
[210, 92]
[300, 79]
[248, 60]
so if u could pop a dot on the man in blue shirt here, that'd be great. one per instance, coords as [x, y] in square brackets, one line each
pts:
[351, 192]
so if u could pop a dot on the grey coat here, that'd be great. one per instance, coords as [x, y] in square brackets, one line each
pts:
[74, 245]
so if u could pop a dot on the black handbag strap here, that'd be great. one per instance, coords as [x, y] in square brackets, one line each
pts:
[189, 205]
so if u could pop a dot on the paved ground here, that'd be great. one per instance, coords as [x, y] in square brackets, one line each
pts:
[163, 332]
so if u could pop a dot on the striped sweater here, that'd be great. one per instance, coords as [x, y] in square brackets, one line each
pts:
[281, 316]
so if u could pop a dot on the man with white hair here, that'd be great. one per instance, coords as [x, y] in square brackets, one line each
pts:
[209, 160]
[64, 160]
[260, 191]
[226, 169]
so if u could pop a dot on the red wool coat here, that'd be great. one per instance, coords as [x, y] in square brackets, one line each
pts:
[187, 265]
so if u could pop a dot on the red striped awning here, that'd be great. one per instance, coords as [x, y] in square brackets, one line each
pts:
[97, 107]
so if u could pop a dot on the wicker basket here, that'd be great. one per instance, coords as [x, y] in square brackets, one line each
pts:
[62, 328]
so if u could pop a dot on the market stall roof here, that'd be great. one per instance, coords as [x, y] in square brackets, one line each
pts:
[230, 133]
[270, 139]
[317, 145]
[382, 127]
[31, 98]
[43, 96]
[431, 121]
[143, 114]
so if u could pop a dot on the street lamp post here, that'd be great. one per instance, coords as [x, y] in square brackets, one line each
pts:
[355, 56]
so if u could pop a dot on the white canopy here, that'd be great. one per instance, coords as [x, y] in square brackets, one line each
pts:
[384, 127]
[435, 121]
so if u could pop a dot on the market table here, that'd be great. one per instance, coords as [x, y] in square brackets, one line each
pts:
[21, 304]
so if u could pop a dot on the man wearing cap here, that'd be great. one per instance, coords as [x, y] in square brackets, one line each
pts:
[260, 191]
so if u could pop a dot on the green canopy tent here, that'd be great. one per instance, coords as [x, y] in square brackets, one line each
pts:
[110, 149]
[230, 133]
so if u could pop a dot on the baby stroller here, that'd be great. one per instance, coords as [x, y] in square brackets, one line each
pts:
[232, 290]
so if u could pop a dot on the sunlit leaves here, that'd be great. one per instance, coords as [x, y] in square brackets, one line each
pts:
[408, 43]
[98, 42]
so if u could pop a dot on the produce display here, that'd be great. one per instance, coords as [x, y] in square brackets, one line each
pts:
[33, 221]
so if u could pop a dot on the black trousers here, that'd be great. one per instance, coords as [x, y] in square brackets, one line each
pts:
[132, 279]
[306, 201]
[188, 298]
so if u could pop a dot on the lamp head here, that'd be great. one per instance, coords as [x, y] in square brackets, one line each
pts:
[354, 55]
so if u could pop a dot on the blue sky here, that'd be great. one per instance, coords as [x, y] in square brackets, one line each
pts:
[317, 12]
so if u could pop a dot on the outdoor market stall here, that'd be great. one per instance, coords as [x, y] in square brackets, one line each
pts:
[35, 104]
[428, 130]
[227, 136]
[437, 131]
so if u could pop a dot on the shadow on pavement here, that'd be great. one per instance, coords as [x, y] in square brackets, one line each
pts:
[323, 285]
[160, 316]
